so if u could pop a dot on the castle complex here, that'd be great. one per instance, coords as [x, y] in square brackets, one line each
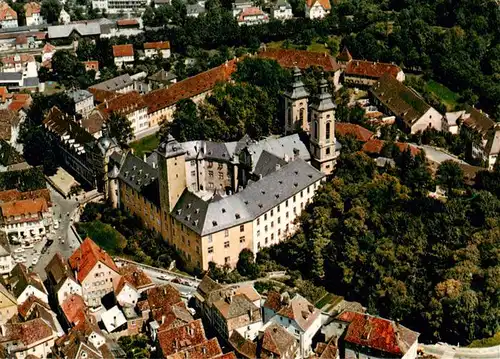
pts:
[216, 199]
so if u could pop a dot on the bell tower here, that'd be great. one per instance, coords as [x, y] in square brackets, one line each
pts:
[296, 102]
[322, 135]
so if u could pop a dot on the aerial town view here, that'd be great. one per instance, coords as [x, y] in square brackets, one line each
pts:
[247, 179]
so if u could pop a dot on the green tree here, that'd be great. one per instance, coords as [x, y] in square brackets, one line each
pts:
[38, 149]
[67, 68]
[148, 17]
[450, 176]
[246, 265]
[50, 10]
[185, 125]
[120, 128]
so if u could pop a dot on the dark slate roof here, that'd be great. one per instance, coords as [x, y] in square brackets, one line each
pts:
[163, 76]
[298, 89]
[141, 177]
[216, 151]
[267, 164]
[114, 84]
[170, 148]
[79, 95]
[195, 9]
[206, 217]
[10, 76]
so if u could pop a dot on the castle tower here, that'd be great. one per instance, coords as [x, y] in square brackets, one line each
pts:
[172, 178]
[296, 99]
[344, 58]
[322, 134]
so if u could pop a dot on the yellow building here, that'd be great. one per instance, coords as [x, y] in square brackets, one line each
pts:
[8, 305]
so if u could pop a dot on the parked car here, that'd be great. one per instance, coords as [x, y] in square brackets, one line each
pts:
[35, 261]
[56, 224]
[19, 250]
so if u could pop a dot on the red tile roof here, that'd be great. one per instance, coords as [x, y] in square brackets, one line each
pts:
[345, 55]
[377, 333]
[205, 350]
[48, 48]
[361, 133]
[25, 208]
[21, 40]
[3, 93]
[290, 58]
[32, 8]
[127, 22]
[171, 316]
[6, 11]
[324, 3]
[180, 338]
[159, 99]
[102, 95]
[157, 45]
[16, 195]
[123, 50]
[74, 309]
[229, 355]
[375, 146]
[251, 11]
[277, 340]
[23, 58]
[165, 295]
[371, 69]
[25, 308]
[29, 332]
[123, 103]
[135, 276]
[91, 65]
[85, 258]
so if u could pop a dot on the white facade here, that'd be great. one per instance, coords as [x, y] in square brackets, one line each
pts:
[252, 16]
[8, 23]
[128, 296]
[121, 61]
[277, 224]
[282, 12]
[64, 17]
[251, 331]
[118, 6]
[31, 290]
[66, 289]
[85, 106]
[316, 11]
[25, 231]
[139, 120]
[98, 283]
[6, 263]
[431, 119]
[21, 63]
[35, 19]
[40, 349]
[165, 53]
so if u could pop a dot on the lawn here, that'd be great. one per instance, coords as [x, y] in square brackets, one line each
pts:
[52, 87]
[314, 46]
[448, 97]
[145, 145]
[329, 300]
[487, 342]
[104, 235]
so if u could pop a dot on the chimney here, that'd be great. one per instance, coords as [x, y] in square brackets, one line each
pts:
[115, 321]
[286, 158]
[163, 319]
[278, 166]
[144, 157]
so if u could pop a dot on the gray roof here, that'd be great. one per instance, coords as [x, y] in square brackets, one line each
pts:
[170, 148]
[280, 147]
[163, 76]
[83, 29]
[79, 95]
[298, 89]
[281, 3]
[10, 76]
[31, 82]
[141, 177]
[267, 164]
[206, 217]
[195, 9]
[114, 84]
[324, 100]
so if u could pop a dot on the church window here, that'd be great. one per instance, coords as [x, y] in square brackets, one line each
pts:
[315, 129]
[328, 124]
[301, 115]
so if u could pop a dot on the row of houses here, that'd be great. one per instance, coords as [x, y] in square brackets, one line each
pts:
[32, 14]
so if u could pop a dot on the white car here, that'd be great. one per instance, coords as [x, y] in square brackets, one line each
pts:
[19, 250]
[56, 225]
[35, 261]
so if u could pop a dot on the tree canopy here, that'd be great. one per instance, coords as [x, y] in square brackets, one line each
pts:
[120, 128]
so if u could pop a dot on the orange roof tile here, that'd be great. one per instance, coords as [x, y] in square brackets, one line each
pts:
[25, 308]
[135, 276]
[289, 58]
[157, 45]
[48, 48]
[361, 133]
[123, 50]
[251, 11]
[345, 55]
[324, 3]
[74, 309]
[32, 8]
[11, 60]
[3, 93]
[25, 207]
[377, 333]
[370, 69]
[180, 338]
[91, 65]
[205, 350]
[102, 95]
[165, 295]
[7, 12]
[123, 103]
[127, 22]
[29, 332]
[84, 259]
[375, 146]
[159, 99]
[16, 195]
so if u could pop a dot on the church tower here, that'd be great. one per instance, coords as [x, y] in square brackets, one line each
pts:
[322, 134]
[172, 178]
[296, 98]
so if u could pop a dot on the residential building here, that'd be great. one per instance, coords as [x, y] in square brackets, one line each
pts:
[75, 31]
[26, 219]
[79, 150]
[161, 79]
[132, 106]
[8, 305]
[106, 89]
[208, 349]
[32, 14]
[230, 308]
[64, 17]
[10, 123]
[23, 285]
[132, 283]
[91, 65]
[114, 322]
[20, 63]
[95, 271]
[124, 55]
[240, 5]
[34, 337]
[365, 335]
[297, 315]
[120, 6]
[180, 338]
[33, 308]
[195, 10]
[135, 187]
[351, 129]
[282, 10]
[6, 261]
[273, 341]
[160, 49]
[48, 51]
[252, 16]
[84, 101]
[411, 111]
[61, 280]
[73, 310]
[489, 131]
[317, 9]
[8, 17]
[161, 103]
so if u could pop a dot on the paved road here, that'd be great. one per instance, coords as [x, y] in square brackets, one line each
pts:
[445, 351]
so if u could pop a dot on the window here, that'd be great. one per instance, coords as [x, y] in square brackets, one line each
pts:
[286, 203]
[315, 125]
[221, 175]
[193, 163]
[210, 173]
[265, 216]
[265, 228]
[272, 237]
[266, 240]
[294, 210]
[308, 190]
[279, 220]
[278, 209]
[279, 232]
[301, 115]
[226, 244]
[294, 199]
[258, 233]
[272, 224]
[258, 221]
[302, 194]
[226, 233]
[210, 249]
[242, 228]
[242, 239]
[220, 166]
[193, 173]
[227, 260]
[209, 238]
[286, 215]
[328, 150]
[210, 164]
